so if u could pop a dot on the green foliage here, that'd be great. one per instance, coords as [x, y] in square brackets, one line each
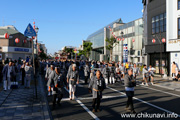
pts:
[42, 55]
[81, 52]
[87, 48]
[68, 50]
[112, 42]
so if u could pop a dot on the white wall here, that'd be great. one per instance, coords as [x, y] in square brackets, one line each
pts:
[172, 15]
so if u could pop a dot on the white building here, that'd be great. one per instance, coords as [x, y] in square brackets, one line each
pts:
[173, 30]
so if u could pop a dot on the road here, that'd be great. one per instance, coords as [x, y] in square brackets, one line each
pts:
[147, 100]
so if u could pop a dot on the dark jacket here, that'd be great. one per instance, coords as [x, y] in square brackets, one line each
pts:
[128, 81]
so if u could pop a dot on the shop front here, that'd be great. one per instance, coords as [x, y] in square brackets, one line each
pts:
[15, 53]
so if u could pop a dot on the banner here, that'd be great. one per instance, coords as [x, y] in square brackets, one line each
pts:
[125, 53]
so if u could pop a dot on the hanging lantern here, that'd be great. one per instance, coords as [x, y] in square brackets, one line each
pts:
[33, 37]
[109, 26]
[34, 27]
[163, 40]
[25, 41]
[133, 40]
[119, 39]
[110, 30]
[153, 40]
[6, 35]
[33, 22]
[122, 39]
[17, 40]
[115, 37]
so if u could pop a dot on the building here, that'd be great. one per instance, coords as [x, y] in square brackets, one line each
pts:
[98, 40]
[132, 33]
[154, 17]
[9, 48]
[173, 31]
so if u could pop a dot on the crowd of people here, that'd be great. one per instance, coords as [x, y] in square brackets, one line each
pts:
[66, 75]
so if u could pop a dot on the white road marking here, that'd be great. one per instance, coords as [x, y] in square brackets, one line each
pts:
[175, 89]
[87, 98]
[82, 105]
[145, 102]
[161, 91]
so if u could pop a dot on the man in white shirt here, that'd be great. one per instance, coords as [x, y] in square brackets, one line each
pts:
[151, 73]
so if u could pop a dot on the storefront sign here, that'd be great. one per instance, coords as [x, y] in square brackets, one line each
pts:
[21, 49]
[174, 41]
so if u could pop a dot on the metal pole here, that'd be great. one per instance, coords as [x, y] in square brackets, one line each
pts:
[160, 54]
[34, 68]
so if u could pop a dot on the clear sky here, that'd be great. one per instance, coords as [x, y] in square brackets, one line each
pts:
[67, 22]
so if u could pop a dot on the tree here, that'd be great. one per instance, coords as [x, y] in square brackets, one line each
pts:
[112, 42]
[87, 48]
[42, 55]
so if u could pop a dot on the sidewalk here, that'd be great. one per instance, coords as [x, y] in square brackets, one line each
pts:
[167, 83]
[21, 104]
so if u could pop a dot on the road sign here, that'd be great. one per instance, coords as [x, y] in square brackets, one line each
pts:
[30, 31]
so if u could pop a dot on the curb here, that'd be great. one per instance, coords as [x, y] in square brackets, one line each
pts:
[45, 105]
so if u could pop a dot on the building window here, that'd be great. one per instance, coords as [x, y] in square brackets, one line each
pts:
[178, 4]
[178, 28]
[159, 23]
[153, 25]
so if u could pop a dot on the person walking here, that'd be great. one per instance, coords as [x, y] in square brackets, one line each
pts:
[8, 73]
[151, 74]
[122, 69]
[96, 86]
[129, 83]
[73, 79]
[28, 73]
[106, 73]
[86, 72]
[47, 77]
[145, 75]
[23, 72]
[174, 70]
[135, 71]
[112, 74]
[57, 81]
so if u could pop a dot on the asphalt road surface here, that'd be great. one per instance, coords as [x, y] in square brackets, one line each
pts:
[151, 101]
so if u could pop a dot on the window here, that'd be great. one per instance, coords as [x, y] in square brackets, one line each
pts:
[159, 23]
[178, 28]
[164, 22]
[178, 4]
[153, 25]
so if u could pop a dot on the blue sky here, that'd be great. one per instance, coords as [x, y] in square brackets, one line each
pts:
[67, 22]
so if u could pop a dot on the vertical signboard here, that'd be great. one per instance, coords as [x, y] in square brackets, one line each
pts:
[125, 53]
